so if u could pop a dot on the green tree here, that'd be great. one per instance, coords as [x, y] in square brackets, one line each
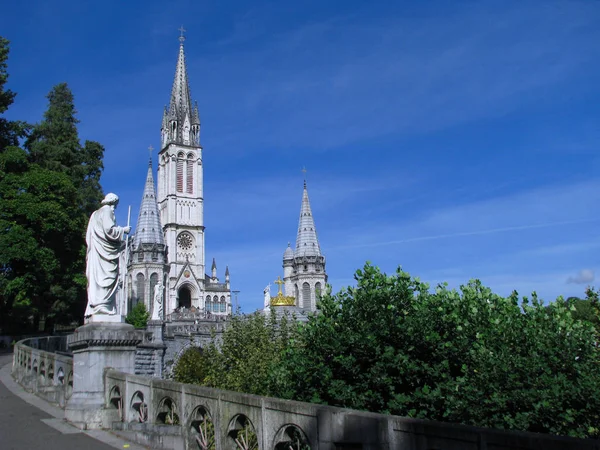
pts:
[191, 367]
[138, 316]
[10, 131]
[38, 213]
[247, 356]
[469, 356]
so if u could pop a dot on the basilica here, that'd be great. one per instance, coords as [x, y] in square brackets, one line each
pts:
[167, 253]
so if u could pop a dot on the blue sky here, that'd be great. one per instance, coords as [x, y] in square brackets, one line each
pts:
[457, 139]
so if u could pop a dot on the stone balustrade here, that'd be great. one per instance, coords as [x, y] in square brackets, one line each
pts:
[170, 415]
[43, 365]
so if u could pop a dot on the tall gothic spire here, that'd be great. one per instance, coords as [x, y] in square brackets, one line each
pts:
[148, 228]
[181, 120]
[307, 243]
[181, 100]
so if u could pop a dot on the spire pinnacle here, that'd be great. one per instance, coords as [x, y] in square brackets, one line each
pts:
[148, 228]
[307, 243]
[181, 36]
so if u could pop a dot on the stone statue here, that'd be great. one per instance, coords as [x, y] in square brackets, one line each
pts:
[104, 245]
[267, 292]
[157, 309]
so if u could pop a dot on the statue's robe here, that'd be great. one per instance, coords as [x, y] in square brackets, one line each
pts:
[104, 239]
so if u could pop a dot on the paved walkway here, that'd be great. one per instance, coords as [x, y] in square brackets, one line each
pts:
[28, 422]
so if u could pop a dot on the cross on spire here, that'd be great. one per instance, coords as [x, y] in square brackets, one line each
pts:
[304, 172]
[181, 36]
[150, 150]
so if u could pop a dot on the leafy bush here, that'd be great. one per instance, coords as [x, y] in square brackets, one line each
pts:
[469, 356]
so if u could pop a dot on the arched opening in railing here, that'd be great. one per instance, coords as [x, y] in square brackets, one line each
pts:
[201, 430]
[167, 412]
[35, 366]
[60, 376]
[29, 363]
[51, 373]
[291, 437]
[115, 400]
[242, 433]
[138, 410]
[42, 372]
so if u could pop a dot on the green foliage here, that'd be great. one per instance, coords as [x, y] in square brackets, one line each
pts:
[191, 367]
[138, 316]
[248, 357]
[47, 193]
[390, 345]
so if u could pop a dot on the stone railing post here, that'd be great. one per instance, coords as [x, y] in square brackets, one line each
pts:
[97, 346]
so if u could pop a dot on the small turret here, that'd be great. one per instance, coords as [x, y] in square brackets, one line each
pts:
[227, 274]
[214, 269]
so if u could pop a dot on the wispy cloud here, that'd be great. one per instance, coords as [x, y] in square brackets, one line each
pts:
[584, 276]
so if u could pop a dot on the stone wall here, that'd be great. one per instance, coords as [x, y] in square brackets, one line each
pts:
[166, 414]
[44, 366]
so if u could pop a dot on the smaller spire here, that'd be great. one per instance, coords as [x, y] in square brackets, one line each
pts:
[307, 243]
[148, 227]
[226, 271]
[214, 265]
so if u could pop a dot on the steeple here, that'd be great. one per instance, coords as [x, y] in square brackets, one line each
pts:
[307, 243]
[181, 121]
[148, 228]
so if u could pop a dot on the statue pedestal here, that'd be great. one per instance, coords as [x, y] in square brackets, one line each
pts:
[96, 346]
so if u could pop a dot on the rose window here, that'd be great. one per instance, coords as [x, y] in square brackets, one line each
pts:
[185, 241]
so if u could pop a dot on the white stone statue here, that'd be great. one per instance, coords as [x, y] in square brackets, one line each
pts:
[267, 292]
[157, 310]
[104, 245]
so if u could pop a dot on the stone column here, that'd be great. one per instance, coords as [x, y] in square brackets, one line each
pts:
[97, 346]
[151, 352]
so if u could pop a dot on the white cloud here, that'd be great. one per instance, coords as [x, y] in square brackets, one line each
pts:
[583, 277]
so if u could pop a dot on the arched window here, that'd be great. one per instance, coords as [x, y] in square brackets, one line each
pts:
[223, 308]
[140, 288]
[208, 305]
[180, 172]
[189, 182]
[318, 291]
[306, 296]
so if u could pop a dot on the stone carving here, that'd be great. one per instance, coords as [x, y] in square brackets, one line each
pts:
[104, 241]
[157, 310]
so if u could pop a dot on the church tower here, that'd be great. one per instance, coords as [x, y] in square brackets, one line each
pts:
[181, 199]
[147, 258]
[304, 267]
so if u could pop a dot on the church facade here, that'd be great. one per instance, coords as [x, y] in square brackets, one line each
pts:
[169, 243]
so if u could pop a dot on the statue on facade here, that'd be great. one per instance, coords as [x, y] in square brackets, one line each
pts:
[267, 292]
[157, 309]
[104, 241]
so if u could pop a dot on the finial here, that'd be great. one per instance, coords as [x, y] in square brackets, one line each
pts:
[150, 150]
[181, 37]
[304, 172]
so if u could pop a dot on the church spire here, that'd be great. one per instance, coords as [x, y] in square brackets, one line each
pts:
[307, 243]
[181, 121]
[148, 228]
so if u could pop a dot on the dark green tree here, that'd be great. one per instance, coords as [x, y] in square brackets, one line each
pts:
[10, 131]
[469, 356]
[138, 316]
[38, 213]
